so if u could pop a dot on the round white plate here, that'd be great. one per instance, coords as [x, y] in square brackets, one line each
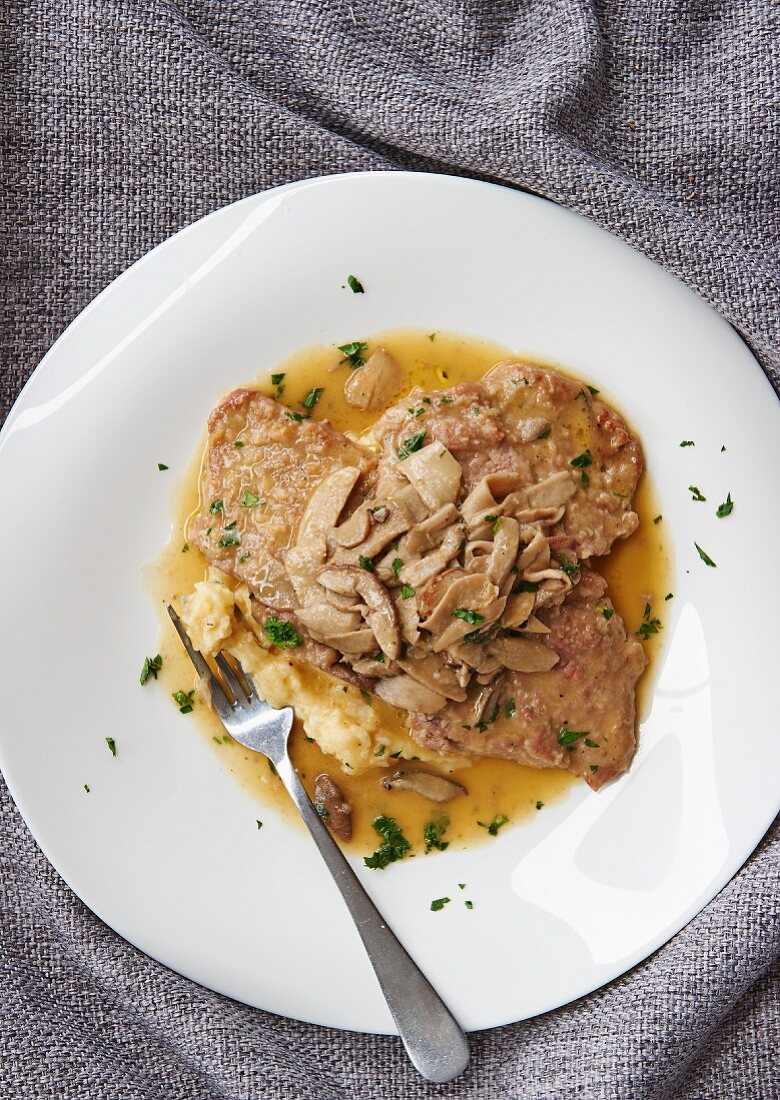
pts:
[165, 847]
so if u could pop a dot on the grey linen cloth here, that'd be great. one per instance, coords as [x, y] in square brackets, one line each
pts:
[126, 121]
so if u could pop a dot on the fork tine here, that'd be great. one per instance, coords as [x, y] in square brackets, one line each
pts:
[197, 659]
[231, 679]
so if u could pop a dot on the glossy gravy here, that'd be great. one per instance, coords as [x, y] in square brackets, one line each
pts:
[637, 571]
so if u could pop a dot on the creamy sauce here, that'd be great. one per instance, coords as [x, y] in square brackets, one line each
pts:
[637, 571]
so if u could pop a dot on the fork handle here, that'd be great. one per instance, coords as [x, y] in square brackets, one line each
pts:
[434, 1040]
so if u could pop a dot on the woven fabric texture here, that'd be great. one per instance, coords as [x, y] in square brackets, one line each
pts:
[124, 121]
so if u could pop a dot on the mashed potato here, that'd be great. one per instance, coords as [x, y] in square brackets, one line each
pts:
[335, 715]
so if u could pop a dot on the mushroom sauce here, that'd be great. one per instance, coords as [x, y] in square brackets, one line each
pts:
[636, 570]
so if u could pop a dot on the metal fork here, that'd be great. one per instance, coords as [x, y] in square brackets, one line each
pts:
[434, 1040]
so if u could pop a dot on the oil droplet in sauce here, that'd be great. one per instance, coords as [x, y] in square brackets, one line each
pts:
[637, 571]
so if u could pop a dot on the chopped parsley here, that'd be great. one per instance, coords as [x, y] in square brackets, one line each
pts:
[244, 557]
[569, 567]
[297, 417]
[495, 824]
[591, 744]
[230, 535]
[354, 353]
[669, 596]
[249, 500]
[433, 833]
[238, 443]
[407, 592]
[215, 506]
[545, 434]
[582, 460]
[447, 400]
[594, 768]
[723, 448]
[726, 508]
[277, 379]
[259, 823]
[184, 700]
[281, 633]
[397, 566]
[412, 444]
[476, 410]
[355, 285]
[658, 519]
[185, 548]
[161, 466]
[111, 745]
[439, 903]
[607, 612]
[584, 480]
[593, 390]
[379, 656]
[687, 443]
[705, 556]
[696, 492]
[312, 397]
[380, 751]
[321, 810]
[468, 903]
[431, 336]
[151, 667]
[567, 737]
[394, 844]
[483, 725]
[509, 708]
[86, 787]
[539, 804]
[366, 563]
[473, 618]
[648, 625]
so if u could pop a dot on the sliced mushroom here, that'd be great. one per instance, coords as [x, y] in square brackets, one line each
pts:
[356, 642]
[374, 385]
[326, 505]
[459, 628]
[523, 654]
[419, 572]
[476, 656]
[323, 619]
[551, 492]
[518, 609]
[408, 616]
[381, 617]
[435, 474]
[469, 591]
[332, 807]
[353, 530]
[374, 669]
[379, 536]
[396, 489]
[429, 532]
[409, 694]
[506, 542]
[435, 673]
[538, 548]
[436, 788]
[534, 626]
[487, 492]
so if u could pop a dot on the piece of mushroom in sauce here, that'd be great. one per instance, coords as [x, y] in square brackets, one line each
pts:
[436, 788]
[332, 807]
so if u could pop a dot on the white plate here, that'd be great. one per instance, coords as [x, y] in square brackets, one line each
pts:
[165, 848]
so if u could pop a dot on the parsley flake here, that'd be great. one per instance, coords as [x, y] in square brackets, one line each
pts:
[433, 833]
[161, 466]
[281, 633]
[397, 566]
[687, 443]
[184, 700]
[355, 285]
[509, 708]
[366, 563]
[312, 397]
[567, 737]
[696, 492]
[607, 612]
[111, 745]
[394, 844]
[438, 904]
[726, 508]
[216, 506]
[468, 903]
[354, 353]
[410, 445]
[473, 618]
[582, 460]
[151, 667]
[407, 592]
[658, 519]
[249, 500]
[648, 625]
[494, 825]
[705, 556]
